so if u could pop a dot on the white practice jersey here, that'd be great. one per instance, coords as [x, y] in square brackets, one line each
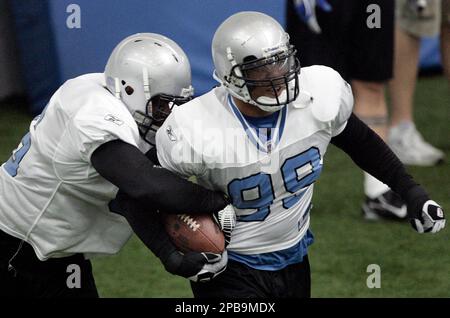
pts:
[270, 183]
[50, 195]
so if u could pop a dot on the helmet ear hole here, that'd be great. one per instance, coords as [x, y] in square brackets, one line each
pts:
[129, 90]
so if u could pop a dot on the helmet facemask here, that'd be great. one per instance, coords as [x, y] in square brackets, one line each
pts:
[157, 109]
[269, 82]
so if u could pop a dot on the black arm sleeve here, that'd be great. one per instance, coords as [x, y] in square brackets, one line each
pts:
[153, 156]
[153, 187]
[371, 154]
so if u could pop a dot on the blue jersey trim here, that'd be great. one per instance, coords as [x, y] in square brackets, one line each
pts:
[240, 117]
[275, 261]
[269, 121]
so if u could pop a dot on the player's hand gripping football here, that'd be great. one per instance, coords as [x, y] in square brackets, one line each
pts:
[306, 10]
[197, 267]
[202, 267]
[226, 219]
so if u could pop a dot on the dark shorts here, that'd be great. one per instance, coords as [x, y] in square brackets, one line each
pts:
[346, 43]
[241, 281]
[31, 278]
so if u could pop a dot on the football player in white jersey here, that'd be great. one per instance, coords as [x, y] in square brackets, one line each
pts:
[261, 137]
[88, 143]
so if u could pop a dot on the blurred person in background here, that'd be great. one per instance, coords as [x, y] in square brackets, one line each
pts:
[445, 38]
[10, 75]
[338, 34]
[415, 19]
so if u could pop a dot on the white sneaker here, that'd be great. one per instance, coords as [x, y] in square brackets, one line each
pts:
[408, 144]
[388, 205]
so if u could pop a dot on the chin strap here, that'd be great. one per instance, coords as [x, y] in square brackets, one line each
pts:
[270, 109]
[270, 100]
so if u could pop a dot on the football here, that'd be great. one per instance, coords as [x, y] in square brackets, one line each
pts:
[197, 233]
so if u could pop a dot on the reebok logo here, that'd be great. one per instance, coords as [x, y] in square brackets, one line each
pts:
[114, 120]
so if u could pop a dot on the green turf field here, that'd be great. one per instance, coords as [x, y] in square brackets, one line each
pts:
[412, 265]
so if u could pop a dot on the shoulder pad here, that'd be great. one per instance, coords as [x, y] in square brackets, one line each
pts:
[324, 86]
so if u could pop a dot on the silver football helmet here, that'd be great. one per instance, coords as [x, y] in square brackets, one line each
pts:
[150, 74]
[254, 60]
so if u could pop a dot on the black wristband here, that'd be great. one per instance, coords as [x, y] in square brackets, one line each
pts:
[415, 198]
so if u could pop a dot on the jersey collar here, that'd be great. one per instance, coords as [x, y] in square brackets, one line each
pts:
[276, 132]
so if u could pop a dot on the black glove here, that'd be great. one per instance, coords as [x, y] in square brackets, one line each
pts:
[425, 214]
[197, 267]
